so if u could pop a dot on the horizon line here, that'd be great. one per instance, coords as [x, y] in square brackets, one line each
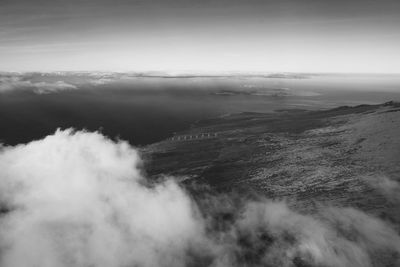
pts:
[186, 74]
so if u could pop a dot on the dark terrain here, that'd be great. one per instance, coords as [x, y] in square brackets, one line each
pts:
[305, 157]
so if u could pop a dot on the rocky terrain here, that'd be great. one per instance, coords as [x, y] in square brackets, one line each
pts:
[347, 156]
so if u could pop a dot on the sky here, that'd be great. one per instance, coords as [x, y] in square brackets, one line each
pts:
[205, 36]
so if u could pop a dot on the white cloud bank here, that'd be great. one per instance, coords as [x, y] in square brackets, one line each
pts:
[79, 202]
[79, 199]
[9, 83]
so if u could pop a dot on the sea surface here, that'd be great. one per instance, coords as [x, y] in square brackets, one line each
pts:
[144, 110]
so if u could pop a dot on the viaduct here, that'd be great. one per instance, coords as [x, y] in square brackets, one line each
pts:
[188, 137]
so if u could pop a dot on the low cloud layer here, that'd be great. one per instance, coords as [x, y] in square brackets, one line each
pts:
[9, 83]
[80, 199]
[386, 186]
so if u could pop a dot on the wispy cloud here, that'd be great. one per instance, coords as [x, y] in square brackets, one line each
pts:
[9, 83]
[386, 186]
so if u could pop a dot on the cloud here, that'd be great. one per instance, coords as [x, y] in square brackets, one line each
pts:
[270, 234]
[80, 199]
[386, 186]
[9, 83]
[46, 87]
[77, 199]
